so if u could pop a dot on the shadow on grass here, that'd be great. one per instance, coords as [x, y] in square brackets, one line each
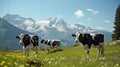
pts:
[56, 50]
[35, 64]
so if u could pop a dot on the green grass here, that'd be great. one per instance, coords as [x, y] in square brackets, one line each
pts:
[68, 57]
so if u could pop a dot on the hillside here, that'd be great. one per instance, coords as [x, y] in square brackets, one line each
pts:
[67, 57]
[8, 33]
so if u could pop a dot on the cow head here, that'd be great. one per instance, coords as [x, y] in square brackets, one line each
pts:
[20, 37]
[26, 37]
[77, 35]
[42, 41]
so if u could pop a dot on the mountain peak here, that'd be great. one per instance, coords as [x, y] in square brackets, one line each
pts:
[10, 15]
[56, 19]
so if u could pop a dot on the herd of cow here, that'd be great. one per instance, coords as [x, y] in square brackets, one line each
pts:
[29, 42]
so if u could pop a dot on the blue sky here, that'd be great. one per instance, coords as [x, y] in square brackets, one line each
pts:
[97, 14]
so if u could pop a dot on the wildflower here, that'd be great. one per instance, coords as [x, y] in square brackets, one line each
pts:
[2, 62]
[80, 62]
[27, 64]
[5, 66]
[49, 62]
[102, 58]
[56, 62]
[5, 58]
[15, 63]
[65, 66]
[102, 66]
[117, 65]
[21, 65]
[8, 63]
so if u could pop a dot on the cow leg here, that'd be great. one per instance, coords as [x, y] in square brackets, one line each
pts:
[24, 52]
[36, 50]
[102, 49]
[59, 46]
[98, 48]
[46, 49]
[87, 50]
[27, 50]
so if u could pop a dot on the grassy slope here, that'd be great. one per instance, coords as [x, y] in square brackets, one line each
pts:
[69, 57]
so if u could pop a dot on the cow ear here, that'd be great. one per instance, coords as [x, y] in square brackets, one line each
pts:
[17, 37]
[73, 35]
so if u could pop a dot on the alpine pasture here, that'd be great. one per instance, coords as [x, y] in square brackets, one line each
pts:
[66, 57]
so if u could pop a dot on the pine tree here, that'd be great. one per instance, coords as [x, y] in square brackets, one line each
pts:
[116, 32]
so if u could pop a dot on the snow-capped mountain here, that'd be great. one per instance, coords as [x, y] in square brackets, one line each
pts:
[52, 28]
[21, 22]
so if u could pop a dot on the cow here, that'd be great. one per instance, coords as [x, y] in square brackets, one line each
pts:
[50, 44]
[87, 40]
[28, 42]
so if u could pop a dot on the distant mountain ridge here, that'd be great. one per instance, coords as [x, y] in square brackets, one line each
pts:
[52, 28]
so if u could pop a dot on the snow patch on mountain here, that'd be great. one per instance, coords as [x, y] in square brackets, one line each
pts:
[41, 25]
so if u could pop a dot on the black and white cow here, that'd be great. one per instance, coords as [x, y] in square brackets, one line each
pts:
[50, 44]
[28, 42]
[88, 40]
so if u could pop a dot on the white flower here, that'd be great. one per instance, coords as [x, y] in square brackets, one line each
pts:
[56, 62]
[117, 65]
[49, 62]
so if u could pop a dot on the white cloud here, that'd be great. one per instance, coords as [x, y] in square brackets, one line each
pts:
[106, 21]
[100, 28]
[42, 24]
[93, 11]
[79, 13]
[28, 23]
[30, 29]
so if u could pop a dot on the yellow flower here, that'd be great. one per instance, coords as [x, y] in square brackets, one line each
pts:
[21, 65]
[8, 63]
[5, 58]
[15, 63]
[2, 62]
[5, 66]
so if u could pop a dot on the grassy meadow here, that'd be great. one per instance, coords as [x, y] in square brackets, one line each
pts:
[66, 57]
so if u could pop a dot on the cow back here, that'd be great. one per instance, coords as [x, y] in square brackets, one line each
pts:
[85, 38]
[98, 38]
